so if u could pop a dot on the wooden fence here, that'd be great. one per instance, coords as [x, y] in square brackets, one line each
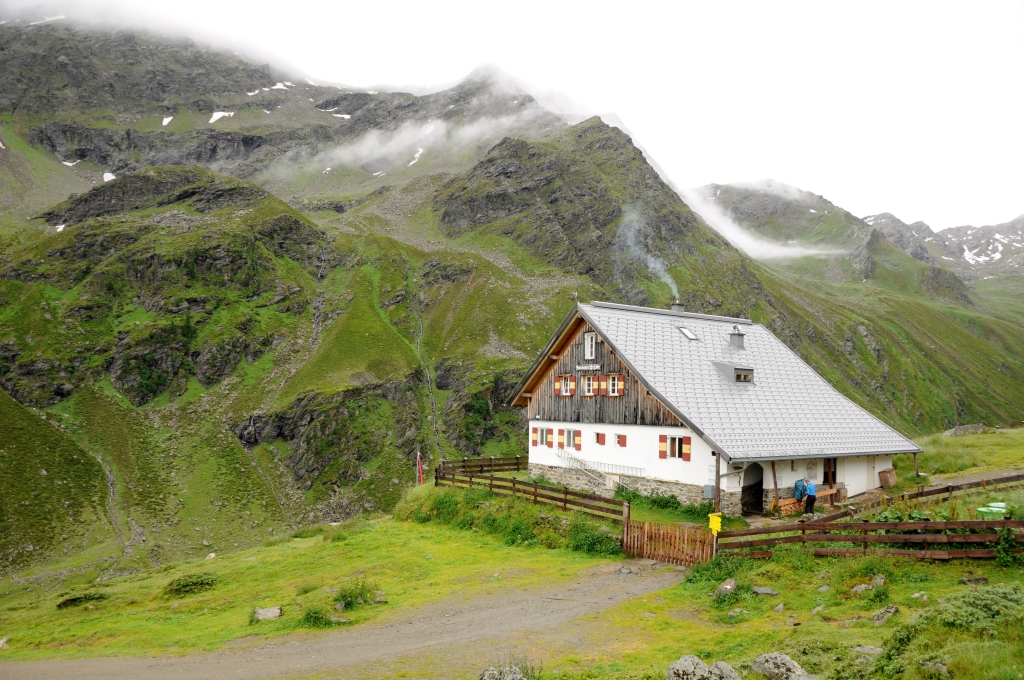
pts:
[669, 543]
[968, 533]
[486, 465]
[948, 490]
[606, 509]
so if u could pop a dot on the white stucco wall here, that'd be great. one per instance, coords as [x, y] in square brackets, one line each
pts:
[857, 473]
[641, 450]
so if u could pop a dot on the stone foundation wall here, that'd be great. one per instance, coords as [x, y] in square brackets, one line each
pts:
[688, 494]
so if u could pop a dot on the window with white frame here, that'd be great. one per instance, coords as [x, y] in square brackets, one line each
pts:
[588, 386]
[571, 437]
[589, 345]
[565, 386]
[542, 436]
[613, 385]
[679, 447]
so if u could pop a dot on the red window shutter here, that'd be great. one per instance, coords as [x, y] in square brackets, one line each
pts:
[558, 384]
[622, 439]
[686, 448]
[561, 439]
[622, 383]
[662, 446]
[600, 438]
[579, 441]
[550, 438]
[602, 385]
[534, 442]
[572, 384]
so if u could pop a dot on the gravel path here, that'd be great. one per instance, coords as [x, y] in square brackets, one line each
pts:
[496, 619]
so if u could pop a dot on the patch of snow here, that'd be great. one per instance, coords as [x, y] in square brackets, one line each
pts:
[515, 101]
[217, 115]
[415, 158]
[948, 258]
[813, 210]
[972, 257]
[167, 120]
[2, 145]
[256, 91]
[288, 84]
[998, 254]
[378, 174]
[1001, 238]
[59, 228]
[279, 86]
[43, 21]
[328, 110]
[265, 89]
[265, 111]
[718, 192]
[71, 165]
[371, 92]
[310, 100]
[325, 171]
[108, 176]
[929, 239]
[341, 115]
[987, 278]
[4, 22]
[310, 82]
[452, 106]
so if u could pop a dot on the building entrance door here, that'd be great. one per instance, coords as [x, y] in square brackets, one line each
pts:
[752, 497]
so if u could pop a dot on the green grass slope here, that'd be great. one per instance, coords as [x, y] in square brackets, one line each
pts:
[53, 494]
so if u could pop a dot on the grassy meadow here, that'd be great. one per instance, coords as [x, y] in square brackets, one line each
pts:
[413, 564]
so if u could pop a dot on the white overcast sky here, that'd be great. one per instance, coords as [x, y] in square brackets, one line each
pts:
[914, 108]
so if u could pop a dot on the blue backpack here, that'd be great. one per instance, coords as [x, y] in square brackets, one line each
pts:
[800, 490]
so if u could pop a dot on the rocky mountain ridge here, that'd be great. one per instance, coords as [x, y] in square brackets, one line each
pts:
[368, 275]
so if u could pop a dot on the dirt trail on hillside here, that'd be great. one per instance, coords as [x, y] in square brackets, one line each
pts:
[498, 619]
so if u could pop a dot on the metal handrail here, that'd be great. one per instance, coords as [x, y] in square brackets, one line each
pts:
[602, 469]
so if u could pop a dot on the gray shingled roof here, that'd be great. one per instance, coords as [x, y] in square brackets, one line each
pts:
[788, 410]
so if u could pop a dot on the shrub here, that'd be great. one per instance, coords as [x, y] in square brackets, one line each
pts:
[304, 588]
[315, 617]
[80, 600]
[1005, 546]
[445, 507]
[514, 521]
[351, 591]
[719, 568]
[690, 513]
[878, 596]
[518, 530]
[585, 537]
[191, 584]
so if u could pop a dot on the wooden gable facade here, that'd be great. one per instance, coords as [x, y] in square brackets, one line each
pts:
[544, 400]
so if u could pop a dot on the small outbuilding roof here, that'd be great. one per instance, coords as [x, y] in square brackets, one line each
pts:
[781, 408]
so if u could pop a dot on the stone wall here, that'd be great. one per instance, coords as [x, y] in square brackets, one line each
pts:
[688, 494]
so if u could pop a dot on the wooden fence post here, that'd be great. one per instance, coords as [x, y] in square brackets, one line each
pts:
[625, 526]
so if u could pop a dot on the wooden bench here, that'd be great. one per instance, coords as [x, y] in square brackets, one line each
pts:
[830, 494]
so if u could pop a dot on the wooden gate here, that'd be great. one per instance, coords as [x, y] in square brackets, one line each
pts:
[667, 543]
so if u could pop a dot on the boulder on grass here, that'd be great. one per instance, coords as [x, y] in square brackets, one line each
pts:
[689, 667]
[727, 586]
[778, 666]
[268, 613]
[720, 670]
[883, 614]
[503, 673]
